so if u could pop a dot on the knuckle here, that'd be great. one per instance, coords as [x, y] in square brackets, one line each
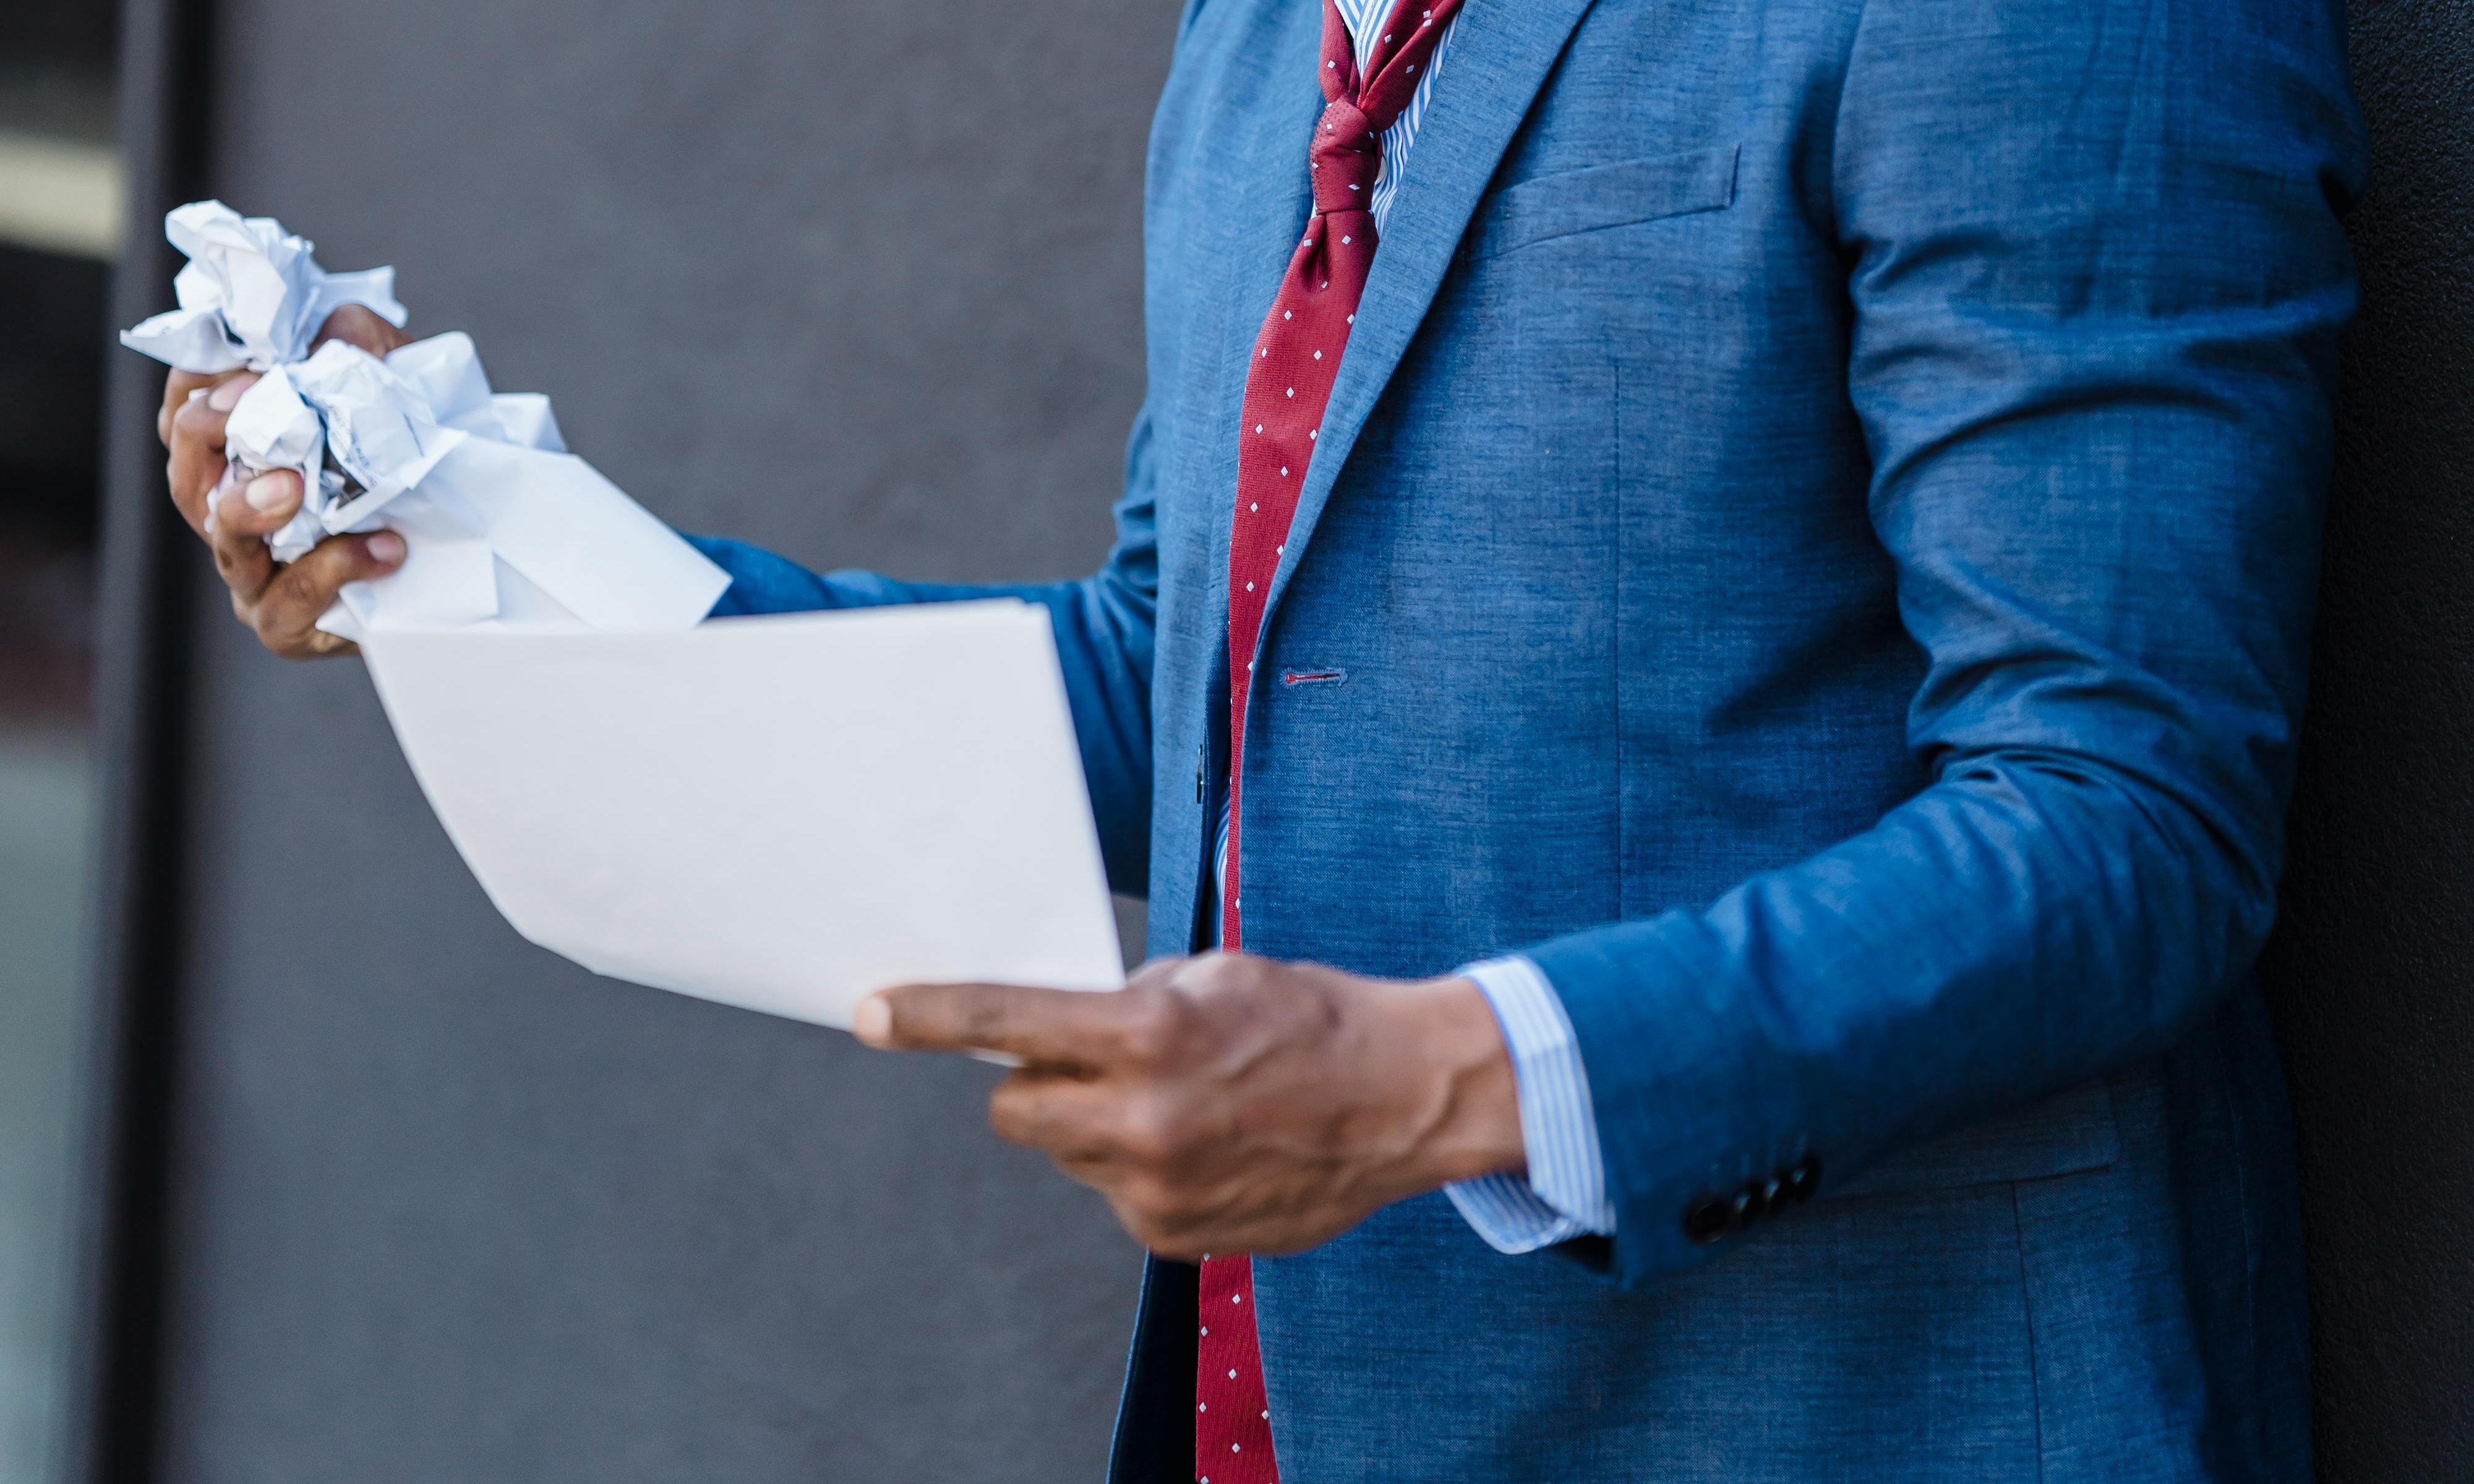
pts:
[1153, 1130]
[1010, 1113]
[1172, 1208]
[1213, 973]
[1151, 1024]
[294, 591]
[195, 420]
[261, 616]
[982, 1017]
[1161, 1024]
[1137, 1223]
[195, 482]
[1156, 972]
[1149, 1194]
[1141, 1142]
[289, 596]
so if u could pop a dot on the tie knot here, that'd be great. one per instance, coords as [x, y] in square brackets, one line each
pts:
[1348, 156]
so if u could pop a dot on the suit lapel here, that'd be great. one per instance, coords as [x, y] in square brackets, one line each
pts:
[1498, 59]
[1235, 236]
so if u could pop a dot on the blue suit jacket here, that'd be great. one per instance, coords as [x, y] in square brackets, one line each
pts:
[1817, 526]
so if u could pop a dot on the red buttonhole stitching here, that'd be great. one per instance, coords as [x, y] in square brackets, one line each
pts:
[1313, 677]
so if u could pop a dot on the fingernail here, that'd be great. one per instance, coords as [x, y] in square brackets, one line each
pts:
[226, 395]
[385, 548]
[872, 1022]
[267, 494]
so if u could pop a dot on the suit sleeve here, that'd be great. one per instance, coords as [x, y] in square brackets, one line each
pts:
[1104, 627]
[2096, 276]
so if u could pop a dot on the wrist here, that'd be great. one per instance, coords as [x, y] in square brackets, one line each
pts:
[1468, 1092]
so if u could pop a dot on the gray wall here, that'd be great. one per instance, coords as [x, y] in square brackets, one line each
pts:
[859, 281]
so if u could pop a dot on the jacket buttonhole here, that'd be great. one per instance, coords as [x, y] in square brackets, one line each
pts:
[1313, 677]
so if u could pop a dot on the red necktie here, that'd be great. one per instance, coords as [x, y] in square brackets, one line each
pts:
[1296, 359]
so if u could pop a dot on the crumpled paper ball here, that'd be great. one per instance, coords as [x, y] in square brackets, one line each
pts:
[253, 294]
[502, 525]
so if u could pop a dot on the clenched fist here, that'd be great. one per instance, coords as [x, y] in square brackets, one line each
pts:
[280, 604]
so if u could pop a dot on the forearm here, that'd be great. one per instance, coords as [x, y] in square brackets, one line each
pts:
[2009, 932]
[761, 581]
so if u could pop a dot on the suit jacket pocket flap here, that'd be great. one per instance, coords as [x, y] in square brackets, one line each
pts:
[2060, 1135]
[1572, 202]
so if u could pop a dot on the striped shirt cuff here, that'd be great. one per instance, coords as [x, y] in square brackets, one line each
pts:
[1564, 1194]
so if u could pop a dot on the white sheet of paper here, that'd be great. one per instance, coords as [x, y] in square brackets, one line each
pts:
[778, 813]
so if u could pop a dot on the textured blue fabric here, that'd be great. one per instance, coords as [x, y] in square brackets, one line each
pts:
[1817, 524]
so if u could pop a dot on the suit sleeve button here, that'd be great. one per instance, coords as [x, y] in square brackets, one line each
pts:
[1707, 1220]
[1801, 1182]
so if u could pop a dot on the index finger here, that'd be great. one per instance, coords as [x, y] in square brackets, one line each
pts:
[1069, 1028]
[178, 388]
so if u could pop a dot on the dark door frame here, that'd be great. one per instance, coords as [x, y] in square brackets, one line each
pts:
[134, 931]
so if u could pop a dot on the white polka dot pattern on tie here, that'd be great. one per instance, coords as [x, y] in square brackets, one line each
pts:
[1298, 352]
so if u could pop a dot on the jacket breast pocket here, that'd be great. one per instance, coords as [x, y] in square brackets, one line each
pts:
[1623, 194]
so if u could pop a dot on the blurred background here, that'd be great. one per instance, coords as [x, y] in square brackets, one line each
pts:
[310, 1170]
[60, 216]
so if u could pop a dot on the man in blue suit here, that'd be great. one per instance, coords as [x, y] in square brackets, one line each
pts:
[1762, 774]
